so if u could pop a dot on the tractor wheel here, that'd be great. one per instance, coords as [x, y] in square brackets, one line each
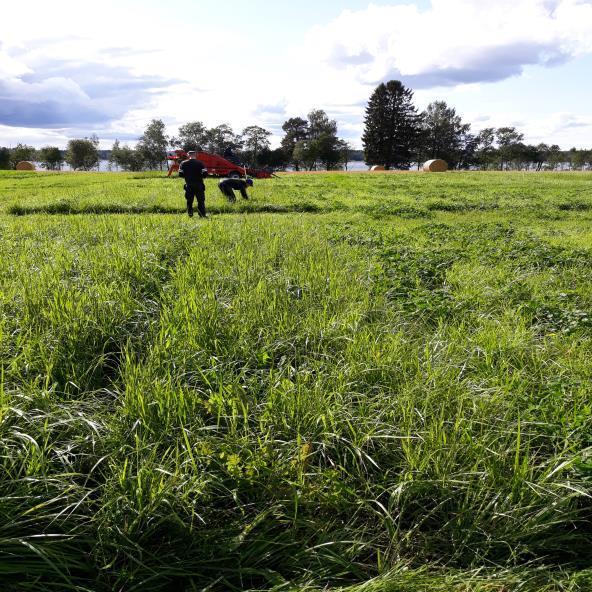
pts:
[234, 175]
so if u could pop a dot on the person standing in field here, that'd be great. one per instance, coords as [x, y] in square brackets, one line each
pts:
[229, 186]
[194, 171]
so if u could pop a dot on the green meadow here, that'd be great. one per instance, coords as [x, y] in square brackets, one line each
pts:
[350, 382]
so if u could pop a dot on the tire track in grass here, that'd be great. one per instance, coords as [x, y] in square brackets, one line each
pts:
[63, 208]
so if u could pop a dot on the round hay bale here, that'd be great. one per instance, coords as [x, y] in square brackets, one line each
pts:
[25, 165]
[377, 167]
[435, 166]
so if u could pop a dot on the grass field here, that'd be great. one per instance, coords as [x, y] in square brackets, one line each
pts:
[371, 383]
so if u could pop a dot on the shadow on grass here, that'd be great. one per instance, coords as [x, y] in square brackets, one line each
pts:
[382, 210]
[575, 206]
[63, 208]
[456, 206]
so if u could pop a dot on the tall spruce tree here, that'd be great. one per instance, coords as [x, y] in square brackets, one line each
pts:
[392, 127]
[4, 158]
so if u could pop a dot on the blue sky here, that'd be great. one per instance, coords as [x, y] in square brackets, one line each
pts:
[69, 69]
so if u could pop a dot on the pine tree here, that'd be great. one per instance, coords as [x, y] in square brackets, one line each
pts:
[392, 126]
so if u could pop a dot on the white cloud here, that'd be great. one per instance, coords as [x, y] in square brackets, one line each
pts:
[455, 41]
[565, 129]
[11, 136]
[562, 121]
[10, 67]
[109, 69]
[453, 49]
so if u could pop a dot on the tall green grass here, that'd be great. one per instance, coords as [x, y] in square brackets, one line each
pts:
[370, 393]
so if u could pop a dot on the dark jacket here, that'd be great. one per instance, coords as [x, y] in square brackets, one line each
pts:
[193, 171]
[236, 184]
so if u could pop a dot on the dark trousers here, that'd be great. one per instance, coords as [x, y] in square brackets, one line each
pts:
[229, 193]
[199, 193]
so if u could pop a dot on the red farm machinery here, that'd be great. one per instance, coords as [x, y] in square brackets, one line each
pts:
[217, 166]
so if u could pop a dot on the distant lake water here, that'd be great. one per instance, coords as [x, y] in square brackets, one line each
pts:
[354, 165]
[103, 166]
[357, 165]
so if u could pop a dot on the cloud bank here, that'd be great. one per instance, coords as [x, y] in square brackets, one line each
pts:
[58, 93]
[454, 42]
[67, 74]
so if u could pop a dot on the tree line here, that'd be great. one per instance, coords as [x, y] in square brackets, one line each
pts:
[81, 154]
[396, 135]
[310, 143]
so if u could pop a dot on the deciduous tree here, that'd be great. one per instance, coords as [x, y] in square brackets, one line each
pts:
[313, 141]
[275, 159]
[345, 151]
[153, 144]
[542, 155]
[220, 138]
[319, 124]
[556, 156]
[191, 136]
[51, 158]
[306, 152]
[486, 151]
[126, 158]
[21, 152]
[296, 129]
[506, 137]
[581, 158]
[254, 140]
[443, 134]
[328, 150]
[83, 154]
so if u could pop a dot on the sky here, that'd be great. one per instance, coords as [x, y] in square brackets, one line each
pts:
[70, 69]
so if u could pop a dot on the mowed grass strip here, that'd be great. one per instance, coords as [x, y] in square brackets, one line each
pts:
[346, 398]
